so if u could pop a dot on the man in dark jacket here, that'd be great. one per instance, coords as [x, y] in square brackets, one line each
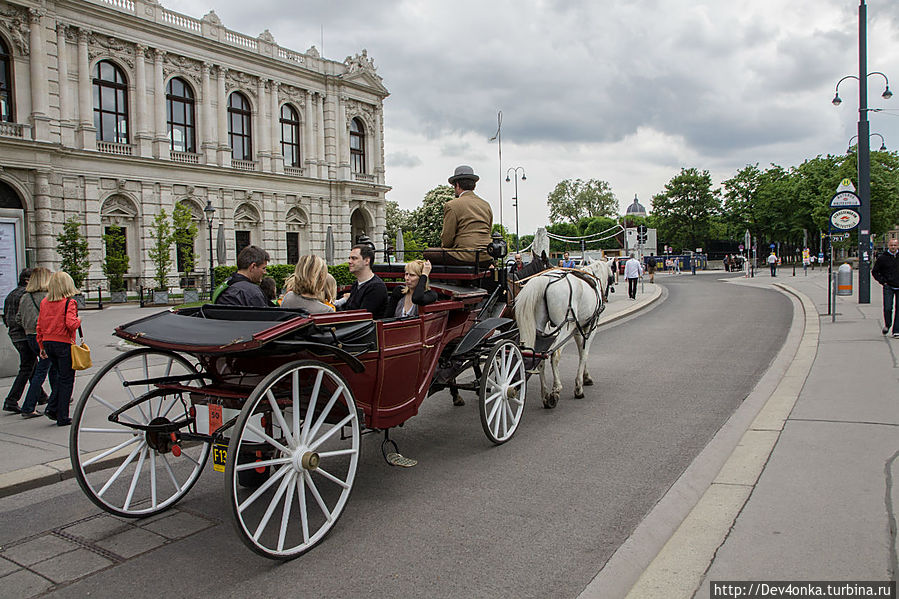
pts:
[368, 292]
[243, 286]
[27, 358]
[886, 272]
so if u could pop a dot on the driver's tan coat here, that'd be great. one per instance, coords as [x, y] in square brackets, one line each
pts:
[467, 221]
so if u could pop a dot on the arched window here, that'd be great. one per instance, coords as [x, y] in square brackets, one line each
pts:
[290, 136]
[110, 103]
[357, 146]
[179, 107]
[6, 97]
[239, 134]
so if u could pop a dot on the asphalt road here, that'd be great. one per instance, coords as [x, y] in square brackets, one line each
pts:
[536, 517]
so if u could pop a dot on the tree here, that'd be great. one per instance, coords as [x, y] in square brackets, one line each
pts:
[426, 221]
[685, 209]
[184, 234]
[116, 263]
[72, 248]
[396, 218]
[571, 201]
[160, 249]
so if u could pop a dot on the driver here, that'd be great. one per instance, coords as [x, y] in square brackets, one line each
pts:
[467, 221]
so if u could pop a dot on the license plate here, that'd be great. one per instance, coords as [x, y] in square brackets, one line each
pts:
[219, 456]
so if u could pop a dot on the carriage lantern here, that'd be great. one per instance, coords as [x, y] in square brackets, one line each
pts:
[497, 248]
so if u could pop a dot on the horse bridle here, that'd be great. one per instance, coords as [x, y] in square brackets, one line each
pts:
[587, 329]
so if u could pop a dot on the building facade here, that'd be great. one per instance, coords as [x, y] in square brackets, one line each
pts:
[114, 110]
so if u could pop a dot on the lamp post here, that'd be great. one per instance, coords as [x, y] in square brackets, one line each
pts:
[209, 211]
[864, 154]
[524, 177]
[883, 143]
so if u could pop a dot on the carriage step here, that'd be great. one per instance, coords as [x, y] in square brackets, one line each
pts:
[396, 459]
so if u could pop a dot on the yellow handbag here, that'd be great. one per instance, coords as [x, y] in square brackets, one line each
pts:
[81, 354]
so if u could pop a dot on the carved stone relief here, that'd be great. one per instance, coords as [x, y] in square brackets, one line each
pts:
[104, 46]
[14, 21]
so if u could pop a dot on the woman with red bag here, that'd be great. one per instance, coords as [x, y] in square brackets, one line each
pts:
[56, 326]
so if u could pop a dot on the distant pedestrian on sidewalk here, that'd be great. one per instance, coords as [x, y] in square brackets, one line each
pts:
[633, 270]
[29, 310]
[56, 327]
[772, 263]
[20, 342]
[651, 267]
[886, 272]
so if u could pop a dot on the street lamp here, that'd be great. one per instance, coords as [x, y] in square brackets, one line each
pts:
[864, 154]
[209, 211]
[524, 177]
[883, 143]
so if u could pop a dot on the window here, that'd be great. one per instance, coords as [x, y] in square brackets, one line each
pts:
[239, 128]
[242, 240]
[357, 146]
[290, 137]
[6, 97]
[179, 107]
[110, 103]
[293, 248]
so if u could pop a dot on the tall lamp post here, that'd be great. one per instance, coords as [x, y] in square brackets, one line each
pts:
[883, 143]
[524, 177]
[209, 211]
[864, 154]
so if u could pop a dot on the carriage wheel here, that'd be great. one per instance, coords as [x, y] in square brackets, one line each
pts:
[502, 393]
[302, 420]
[130, 472]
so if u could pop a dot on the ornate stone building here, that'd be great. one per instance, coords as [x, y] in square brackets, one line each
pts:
[112, 110]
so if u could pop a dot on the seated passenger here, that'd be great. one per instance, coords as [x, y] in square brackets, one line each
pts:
[242, 289]
[467, 221]
[368, 292]
[269, 289]
[405, 300]
[306, 287]
[330, 290]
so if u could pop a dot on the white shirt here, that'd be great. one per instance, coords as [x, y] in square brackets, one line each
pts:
[772, 258]
[633, 269]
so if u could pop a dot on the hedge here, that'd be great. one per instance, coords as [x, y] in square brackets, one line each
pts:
[280, 272]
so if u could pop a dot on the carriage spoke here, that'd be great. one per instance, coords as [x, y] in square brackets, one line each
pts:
[153, 478]
[285, 511]
[135, 478]
[328, 454]
[173, 401]
[120, 469]
[309, 433]
[330, 433]
[492, 381]
[502, 417]
[317, 495]
[493, 397]
[121, 445]
[263, 434]
[117, 431]
[310, 409]
[263, 488]
[168, 468]
[493, 411]
[304, 516]
[279, 416]
[272, 505]
[112, 408]
[130, 394]
[332, 478]
[262, 464]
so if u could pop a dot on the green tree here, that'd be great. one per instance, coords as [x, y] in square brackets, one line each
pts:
[184, 235]
[571, 201]
[396, 218]
[161, 249]
[412, 247]
[116, 263]
[426, 221]
[71, 246]
[685, 209]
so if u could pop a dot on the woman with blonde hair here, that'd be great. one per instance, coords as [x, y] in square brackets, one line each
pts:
[330, 290]
[56, 326]
[306, 286]
[29, 310]
[405, 300]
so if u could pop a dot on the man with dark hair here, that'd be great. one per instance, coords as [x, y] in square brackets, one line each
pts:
[886, 272]
[467, 221]
[243, 286]
[368, 292]
[27, 358]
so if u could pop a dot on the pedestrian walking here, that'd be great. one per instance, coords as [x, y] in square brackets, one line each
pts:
[677, 265]
[651, 267]
[29, 310]
[56, 326]
[886, 272]
[27, 358]
[772, 263]
[633, 270]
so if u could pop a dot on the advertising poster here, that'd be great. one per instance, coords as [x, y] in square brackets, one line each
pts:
[9, 263]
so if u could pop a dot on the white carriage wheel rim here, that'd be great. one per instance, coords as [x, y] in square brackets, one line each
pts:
[139, 451]
[288, 479]
[505, 372]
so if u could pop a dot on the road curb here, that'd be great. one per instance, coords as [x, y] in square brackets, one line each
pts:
[656, 294]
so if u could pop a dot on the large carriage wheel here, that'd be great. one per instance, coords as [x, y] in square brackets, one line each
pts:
[301, 423]
[125, 471]
[503, 387]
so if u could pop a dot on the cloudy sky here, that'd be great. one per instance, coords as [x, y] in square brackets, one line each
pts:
[628, 92]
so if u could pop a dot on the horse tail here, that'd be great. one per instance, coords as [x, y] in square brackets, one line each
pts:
[527, 305]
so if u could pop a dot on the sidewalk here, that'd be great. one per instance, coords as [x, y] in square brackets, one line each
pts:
[36, 452]
[801, 483]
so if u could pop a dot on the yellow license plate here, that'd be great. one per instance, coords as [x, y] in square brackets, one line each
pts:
[219, 457]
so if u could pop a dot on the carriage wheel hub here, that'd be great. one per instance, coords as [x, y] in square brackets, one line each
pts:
[308, 460]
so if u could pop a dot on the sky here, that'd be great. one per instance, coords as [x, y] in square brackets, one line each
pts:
[626, 92]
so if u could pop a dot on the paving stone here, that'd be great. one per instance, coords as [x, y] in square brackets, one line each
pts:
[132, 542]
[22, 584]
[178, 525]
[70, 566]
[39, 549]
[7, 566]
[97, 528]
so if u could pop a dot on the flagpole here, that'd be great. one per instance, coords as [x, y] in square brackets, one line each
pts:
[499, 138]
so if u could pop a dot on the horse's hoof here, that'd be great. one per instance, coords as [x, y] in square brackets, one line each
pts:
[579, 394]
[458, 401]
[588, 382]
[550, 401]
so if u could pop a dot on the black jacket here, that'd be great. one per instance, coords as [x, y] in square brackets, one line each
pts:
[420, 296]
[241, 291]
[10, 309]
[371, 296]
[886, 269]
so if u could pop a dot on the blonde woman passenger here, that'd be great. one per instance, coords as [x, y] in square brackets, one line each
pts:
[29, 309]
[330, 290]
[416, 291]
[56, 326]
[306, 288]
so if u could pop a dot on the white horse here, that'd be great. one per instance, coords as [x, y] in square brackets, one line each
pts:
[564, 306]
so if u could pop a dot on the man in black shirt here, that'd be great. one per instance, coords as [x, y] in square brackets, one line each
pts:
[243, 286]
[368, 292]
[886, 272]
[27, 358]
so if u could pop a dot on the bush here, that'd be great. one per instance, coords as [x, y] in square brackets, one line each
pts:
[116, 264]
[279, 272]
[341, 273]
[222, 273]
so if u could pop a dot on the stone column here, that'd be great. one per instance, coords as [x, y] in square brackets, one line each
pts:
[87, 133]
[263, 128]
[161, 145]
[224, 150]
[46, 242]
[309, 144]
[330, 120]
[207, 118]
[320, 139]
[142, 138]
[343, 142]
[277, 156]
[66, 127]
[378, 154]
[40, 119]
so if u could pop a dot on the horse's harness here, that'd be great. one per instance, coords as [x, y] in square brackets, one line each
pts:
[590, 325]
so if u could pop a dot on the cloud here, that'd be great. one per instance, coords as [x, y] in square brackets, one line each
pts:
[402, 159]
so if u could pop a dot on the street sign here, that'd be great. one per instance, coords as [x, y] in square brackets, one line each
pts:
[845, 219]
[839, 237]
[741, 247]
[846, 185]
[844, 198]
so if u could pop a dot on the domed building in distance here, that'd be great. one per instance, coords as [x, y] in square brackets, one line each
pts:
[635, 209]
